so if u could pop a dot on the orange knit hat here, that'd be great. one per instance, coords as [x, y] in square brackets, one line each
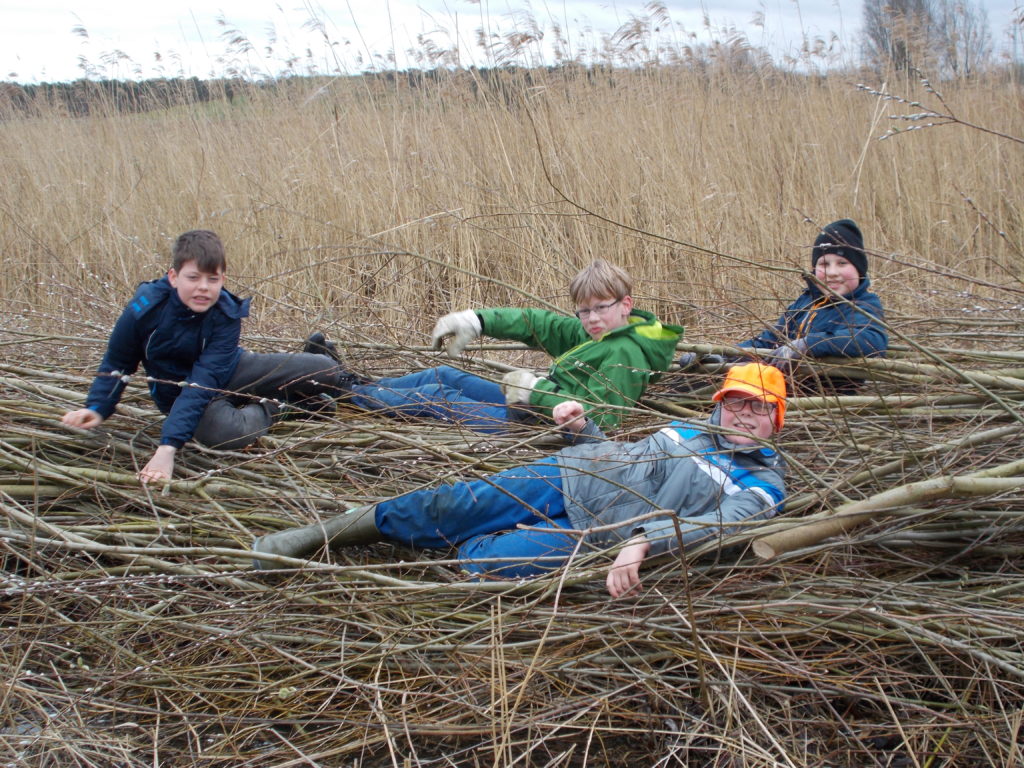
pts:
[765, 382]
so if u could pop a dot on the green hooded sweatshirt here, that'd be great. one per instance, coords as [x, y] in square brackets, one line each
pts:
[604, 375]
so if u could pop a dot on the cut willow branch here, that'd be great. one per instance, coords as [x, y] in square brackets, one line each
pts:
[849, 516]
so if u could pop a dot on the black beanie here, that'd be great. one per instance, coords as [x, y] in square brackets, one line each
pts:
[844, 238]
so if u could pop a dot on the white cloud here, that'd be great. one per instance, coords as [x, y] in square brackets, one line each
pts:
[37, 42]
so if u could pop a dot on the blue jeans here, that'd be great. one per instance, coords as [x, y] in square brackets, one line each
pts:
[480, 517]
[444, 393]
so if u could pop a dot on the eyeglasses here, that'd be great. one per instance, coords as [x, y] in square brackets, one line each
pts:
[598, 309]
[757, 407]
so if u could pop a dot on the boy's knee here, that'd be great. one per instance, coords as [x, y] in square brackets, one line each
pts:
[445, 373]
[228, 428]
[222, 442]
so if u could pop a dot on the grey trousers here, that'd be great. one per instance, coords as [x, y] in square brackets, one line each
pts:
[240, 419]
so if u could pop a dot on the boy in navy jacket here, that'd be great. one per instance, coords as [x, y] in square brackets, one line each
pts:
[845, 320]
[184, 329]
[837, 315]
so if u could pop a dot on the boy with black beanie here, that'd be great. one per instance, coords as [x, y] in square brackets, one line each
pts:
[836, 315]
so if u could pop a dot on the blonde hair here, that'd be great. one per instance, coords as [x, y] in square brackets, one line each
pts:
[600, 280]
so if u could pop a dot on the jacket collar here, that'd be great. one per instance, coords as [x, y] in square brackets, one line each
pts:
[724, 444]
[153, 292]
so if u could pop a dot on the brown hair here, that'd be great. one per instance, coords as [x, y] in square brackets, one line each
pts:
[201, 246]
[600, 280]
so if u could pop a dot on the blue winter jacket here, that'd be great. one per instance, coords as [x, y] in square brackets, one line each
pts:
[703, 483]
[833, 327]
[174, 345]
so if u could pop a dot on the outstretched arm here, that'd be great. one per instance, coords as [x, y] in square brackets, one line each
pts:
[121, 359]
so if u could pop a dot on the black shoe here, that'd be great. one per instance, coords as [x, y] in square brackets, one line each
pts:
[317, 344]
[687, 360]
[711, 363]
[348, 379]
[317, 407]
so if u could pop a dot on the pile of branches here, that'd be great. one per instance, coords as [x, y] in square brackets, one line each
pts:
[136, 632]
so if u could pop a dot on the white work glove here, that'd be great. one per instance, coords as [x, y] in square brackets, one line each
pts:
[463, 326]
[517, 385]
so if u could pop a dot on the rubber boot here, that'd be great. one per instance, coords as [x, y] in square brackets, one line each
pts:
[356, 526]
[342, 380]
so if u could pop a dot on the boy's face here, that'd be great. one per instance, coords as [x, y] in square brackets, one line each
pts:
[837, 273]
[600, 315]
[752, 415]
[197, 290]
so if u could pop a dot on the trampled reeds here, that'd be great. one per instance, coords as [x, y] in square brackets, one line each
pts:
[136, 625]
[135, 630]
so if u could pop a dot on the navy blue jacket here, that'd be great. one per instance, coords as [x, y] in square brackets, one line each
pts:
[847, 327]
[175, 345]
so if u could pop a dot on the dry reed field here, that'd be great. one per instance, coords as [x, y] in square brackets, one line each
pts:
[135, 631]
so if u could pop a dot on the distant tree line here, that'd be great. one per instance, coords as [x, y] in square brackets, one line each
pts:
[84, 97]
[947, 38]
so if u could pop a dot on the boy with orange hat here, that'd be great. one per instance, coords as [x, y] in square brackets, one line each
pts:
[680, 486]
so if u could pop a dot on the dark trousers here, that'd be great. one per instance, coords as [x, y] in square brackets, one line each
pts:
[240, 418]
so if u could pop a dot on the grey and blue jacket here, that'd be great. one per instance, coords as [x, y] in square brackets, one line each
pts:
[705, 483]
[175, 346]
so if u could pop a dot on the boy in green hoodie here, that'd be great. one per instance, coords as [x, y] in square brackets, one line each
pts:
[604, 357]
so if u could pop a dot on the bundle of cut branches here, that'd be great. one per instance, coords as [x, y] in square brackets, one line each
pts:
[136, 631]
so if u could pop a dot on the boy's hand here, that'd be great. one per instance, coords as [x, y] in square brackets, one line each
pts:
[517, 385]
[83, 418]
[786, 354]
[160, 467]
[464, 326]
[624, 575]
[569, 415]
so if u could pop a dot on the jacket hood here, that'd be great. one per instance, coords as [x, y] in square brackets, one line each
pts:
[656, 339]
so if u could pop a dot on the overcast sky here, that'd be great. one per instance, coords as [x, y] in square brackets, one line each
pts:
[49, 40]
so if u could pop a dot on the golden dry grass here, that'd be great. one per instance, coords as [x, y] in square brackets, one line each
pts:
[135, 632]
[359, 197]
